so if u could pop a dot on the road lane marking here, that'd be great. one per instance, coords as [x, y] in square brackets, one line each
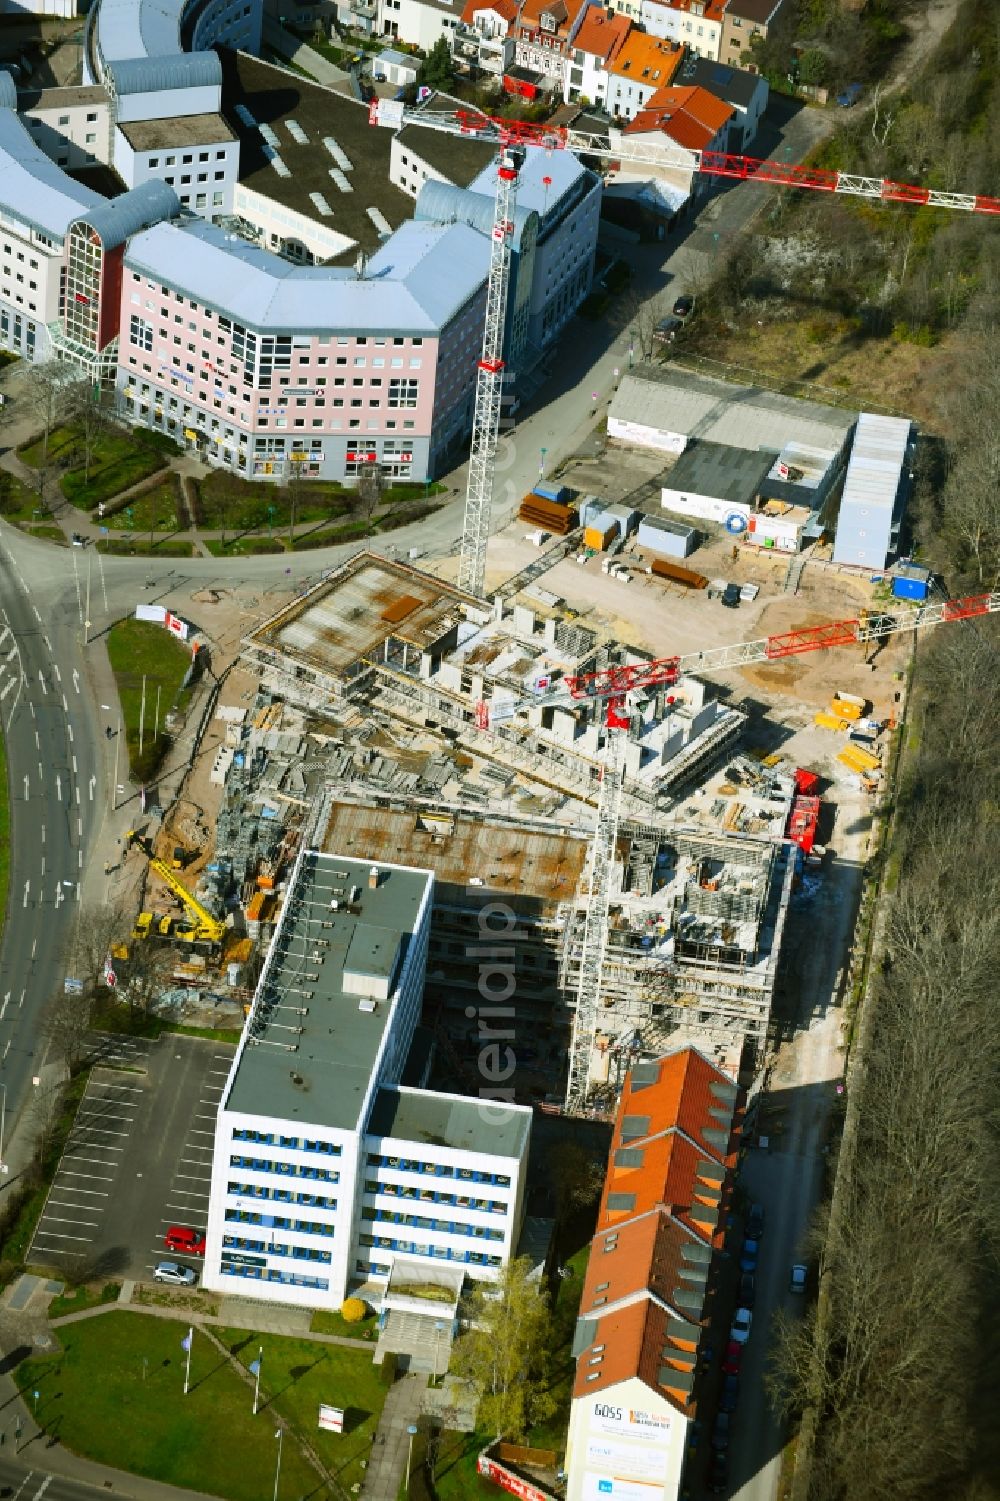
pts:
[55, 669]
[64, 1219]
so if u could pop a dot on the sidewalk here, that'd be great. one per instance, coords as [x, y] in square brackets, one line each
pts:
[392, 1440]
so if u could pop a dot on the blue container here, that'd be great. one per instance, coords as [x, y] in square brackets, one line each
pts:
[911, 582]
[558, 493]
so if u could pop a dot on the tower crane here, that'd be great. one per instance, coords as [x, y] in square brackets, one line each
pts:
[510, 137]
[613, 686]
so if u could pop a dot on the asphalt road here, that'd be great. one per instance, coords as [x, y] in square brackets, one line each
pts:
[50, 734]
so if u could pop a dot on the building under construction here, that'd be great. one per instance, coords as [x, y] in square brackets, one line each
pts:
[696, 928]
[378, 633]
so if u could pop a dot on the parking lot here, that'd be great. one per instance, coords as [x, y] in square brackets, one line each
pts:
[139, 1157]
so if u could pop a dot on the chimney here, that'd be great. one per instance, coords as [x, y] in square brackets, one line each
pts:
[373, 878]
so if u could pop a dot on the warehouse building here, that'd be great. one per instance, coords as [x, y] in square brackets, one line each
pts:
[875, 491]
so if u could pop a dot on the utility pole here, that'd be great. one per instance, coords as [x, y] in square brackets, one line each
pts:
[118, 745]
[86, 613]
[142, 712]
[156, 728]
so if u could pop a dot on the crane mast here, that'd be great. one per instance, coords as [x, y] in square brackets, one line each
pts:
[489, 385]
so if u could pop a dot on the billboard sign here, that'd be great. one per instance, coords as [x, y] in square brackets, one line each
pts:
[331, 1418]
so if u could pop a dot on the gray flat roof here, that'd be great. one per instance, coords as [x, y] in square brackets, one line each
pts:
[719, 470]
[324, 1081]
[179, 130]
[29, 100]
[458, 159]
[448, 1120]
[674, 399]
[273, 97]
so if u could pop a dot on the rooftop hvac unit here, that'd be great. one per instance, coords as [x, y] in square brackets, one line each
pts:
[369, 1007]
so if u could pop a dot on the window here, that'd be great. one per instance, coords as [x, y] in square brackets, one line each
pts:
[64, 119]
[140, 332]
[154, 161]
[403, 393]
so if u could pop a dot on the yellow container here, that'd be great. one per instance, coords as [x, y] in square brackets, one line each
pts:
[846, 709]
[598, 540]
[828, 721]
[861, 761]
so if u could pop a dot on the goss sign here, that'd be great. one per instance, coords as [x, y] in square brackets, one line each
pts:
[629, 1422]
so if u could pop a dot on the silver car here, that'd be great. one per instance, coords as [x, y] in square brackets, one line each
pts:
[174, 1273]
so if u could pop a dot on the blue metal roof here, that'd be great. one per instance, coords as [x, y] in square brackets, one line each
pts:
[561, 167]
[33, 190]
[445, 204]
[415, 283]
[117, 219]
[139, 28]
[179, 70]
[8, 90]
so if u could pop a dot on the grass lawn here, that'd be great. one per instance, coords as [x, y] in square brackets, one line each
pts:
[99, 1399]
[158, 508]
[76, 1298]
[4, 831]
[245, 547]
[138, 547]
[47, 533]
[297, 1375]
[331, 1321]
[334, 536]
[119, 460]
[18, 502]
[227, 502]
[137, 649]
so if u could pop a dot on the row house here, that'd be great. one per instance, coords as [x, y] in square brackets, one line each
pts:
[652, 1290]
[697, 24]
[544, 34]
[483, 41]
[689, 119]
[597, 43]
[642, 66]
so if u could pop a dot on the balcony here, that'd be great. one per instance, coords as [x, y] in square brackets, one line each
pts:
[363, 8]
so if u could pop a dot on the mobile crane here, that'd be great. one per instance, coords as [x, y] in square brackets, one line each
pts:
[204, 929]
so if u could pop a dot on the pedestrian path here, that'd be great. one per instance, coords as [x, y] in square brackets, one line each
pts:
[391, 1449]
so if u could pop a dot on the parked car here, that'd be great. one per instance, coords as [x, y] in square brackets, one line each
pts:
[720, 1432]
[731, 596]
[799, 1277]
[174, 1273]
[850, 96]
[748, 1289]
[667, 330]
[733, 1358]
[718, 1473]
[729, 1396]
[754, 1227]
[683, 307]
[183, 1238]
[749, 1254]
[78, 540]
[740, 1328]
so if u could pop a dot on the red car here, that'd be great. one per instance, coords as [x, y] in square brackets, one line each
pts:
[733, 1358]
[182, 1238]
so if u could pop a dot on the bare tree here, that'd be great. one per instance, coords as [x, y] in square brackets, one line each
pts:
[88, 410]
[370, 484]
[295, 490]
[65, 1028]
[45, 391]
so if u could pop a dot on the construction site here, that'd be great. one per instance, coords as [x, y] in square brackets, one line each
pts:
[386, 715]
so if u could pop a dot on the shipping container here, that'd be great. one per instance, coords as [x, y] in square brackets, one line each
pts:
[855, 758]
[803, 822]
[673, 540]
[911, 582]
[627, 518]
[589, 507]
[661, 569]
[598, 537]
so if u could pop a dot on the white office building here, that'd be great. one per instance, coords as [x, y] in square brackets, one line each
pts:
[317, 1145]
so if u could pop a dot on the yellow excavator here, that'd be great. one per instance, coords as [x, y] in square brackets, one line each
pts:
[203, 929]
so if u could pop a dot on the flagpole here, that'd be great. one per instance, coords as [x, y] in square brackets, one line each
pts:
[256, 1384]
[187, 1367]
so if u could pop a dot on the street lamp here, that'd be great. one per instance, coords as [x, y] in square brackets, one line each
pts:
[3, 1125]
[412, 1432]
[277, 1469]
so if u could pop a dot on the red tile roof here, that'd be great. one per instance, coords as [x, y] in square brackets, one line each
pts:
[505, 8]
[647, 59]
[661, 1221]
[602, 33]
[690, 115]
